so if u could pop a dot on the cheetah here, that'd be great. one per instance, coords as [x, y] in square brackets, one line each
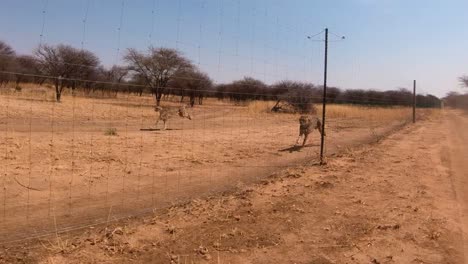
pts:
[306, 125]
[164, 114]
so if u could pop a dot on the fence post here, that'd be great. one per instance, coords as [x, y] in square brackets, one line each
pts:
[414, 101]
[324, 99]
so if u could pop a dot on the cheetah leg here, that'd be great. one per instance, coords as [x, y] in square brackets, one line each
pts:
[305, 139]
[319, 127]
[164, 128]
[298, 139]
[156, 125]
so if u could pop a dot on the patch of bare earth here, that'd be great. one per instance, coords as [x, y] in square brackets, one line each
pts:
[391, 202]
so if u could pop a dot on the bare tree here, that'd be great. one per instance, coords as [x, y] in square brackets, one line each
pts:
[5, 49]
[64, 64]
[464, 81]
[115, 74]
[139, 84]
[111, 78]
[192, 83]
[7, 60]
[27, 70]
[245, 89]
[457, 100]
[158, 66]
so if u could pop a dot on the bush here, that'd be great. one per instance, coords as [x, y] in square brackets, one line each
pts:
[295, 97]
[456, 100]
[111, 131]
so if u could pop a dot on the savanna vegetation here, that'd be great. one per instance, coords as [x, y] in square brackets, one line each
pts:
[458, 100]
[166, 72]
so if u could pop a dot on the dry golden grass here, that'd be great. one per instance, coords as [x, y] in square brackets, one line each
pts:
[430, 113]
[257, 107]
[27, 90]
[369, 113]
[372, 113]
[376, 113]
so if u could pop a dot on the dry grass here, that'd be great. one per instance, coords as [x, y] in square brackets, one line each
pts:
[111, 131]
[376, 113]
[258, 107]
[370, 113]
[45, 92]
[433, 112]
[367, 112]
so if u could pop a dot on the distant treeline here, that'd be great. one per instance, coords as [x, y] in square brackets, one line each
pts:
[165, 72]
[456, 100]
[251, 89]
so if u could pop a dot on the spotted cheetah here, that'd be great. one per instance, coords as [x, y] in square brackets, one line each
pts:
[306, 125]
[164, 114]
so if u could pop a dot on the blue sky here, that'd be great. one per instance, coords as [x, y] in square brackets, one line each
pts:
[388, 42]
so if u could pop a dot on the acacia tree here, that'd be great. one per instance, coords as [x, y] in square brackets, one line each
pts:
[7, 60]
[157, 67]
[139, 84]
[192, 83]
[115, 75]
[247, 88]
[27, 70]
[297, 95]
[464, 81]
[64, 64]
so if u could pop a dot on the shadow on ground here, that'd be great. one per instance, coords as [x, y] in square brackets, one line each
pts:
[297, 148]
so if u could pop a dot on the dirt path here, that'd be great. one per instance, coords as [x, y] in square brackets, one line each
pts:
[457, 125]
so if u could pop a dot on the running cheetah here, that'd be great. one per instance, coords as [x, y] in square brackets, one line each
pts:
[164, 114]
[306, 125]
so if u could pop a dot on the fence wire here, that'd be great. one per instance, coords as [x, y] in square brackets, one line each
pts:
[90, 158]
[98, 156]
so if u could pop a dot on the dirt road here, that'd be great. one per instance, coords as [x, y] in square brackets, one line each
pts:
[456, 124]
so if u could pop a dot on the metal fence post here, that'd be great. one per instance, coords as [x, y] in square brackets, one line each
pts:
[414, 101]
[324, 99]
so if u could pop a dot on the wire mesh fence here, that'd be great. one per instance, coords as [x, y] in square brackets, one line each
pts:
[85, 149]
[91, 160]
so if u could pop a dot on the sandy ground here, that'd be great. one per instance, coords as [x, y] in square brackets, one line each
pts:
[402, 200]
[456, 158]
[61, 171]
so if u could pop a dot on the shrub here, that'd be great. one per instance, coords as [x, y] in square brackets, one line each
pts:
[111, 131]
